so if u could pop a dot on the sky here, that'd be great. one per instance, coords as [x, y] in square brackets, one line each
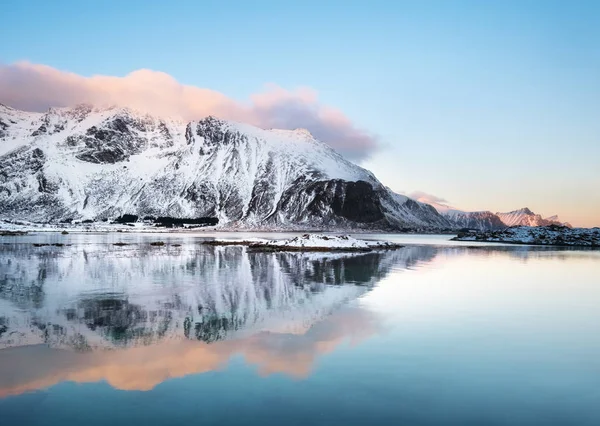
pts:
[487, 105]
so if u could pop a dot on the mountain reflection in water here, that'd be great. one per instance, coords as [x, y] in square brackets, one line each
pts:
[97, 334]
[137, 315]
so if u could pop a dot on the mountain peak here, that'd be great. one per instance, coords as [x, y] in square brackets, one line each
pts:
[303, 132]
[521, 211]
[211, 120]
[525, 217]
[524, 210]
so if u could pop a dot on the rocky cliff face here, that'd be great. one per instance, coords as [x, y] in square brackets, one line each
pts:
[86, 163]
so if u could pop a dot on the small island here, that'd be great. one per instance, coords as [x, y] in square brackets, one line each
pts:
[310, 242]
[553, 235]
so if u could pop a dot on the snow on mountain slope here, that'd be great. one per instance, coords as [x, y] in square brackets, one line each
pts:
[555, 220]
[15, 128]
[482, 220]
[525, 217]
[98, 164]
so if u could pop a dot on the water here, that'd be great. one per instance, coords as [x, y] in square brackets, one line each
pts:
[436, 333]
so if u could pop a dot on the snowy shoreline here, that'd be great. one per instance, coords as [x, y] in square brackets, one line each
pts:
[552, 235]
[309, 242]
[107, 227]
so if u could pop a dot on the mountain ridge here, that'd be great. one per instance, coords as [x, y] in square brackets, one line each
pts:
[487, 220]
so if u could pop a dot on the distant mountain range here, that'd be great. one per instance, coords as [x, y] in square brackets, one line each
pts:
[100, 164]
[486, 220]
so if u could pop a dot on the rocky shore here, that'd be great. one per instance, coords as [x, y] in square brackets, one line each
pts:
[553, 235]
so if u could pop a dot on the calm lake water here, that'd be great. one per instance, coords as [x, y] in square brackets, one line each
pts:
[436, 333]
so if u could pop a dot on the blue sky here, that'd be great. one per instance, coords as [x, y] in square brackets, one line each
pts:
[490, 105]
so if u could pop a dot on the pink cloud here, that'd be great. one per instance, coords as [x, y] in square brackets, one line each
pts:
[144, 367]
[36, 87]
[439, 203]
[427, 198]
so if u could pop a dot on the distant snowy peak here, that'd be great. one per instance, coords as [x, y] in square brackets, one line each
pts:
[90, 163]
[555, 220]
[525, 217]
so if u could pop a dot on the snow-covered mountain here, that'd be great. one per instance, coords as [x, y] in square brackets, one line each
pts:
[486, 220]
[483, 220]
[88, 163]
[525, 217]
